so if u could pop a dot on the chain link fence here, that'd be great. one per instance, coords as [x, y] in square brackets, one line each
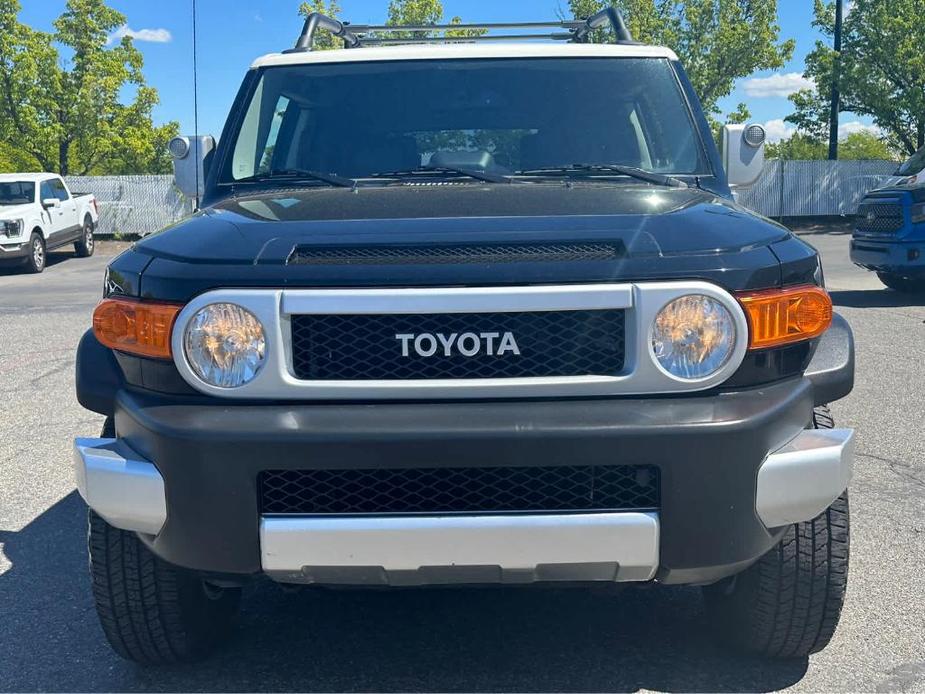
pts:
[139, 205]
[133, 205]
[814, 188]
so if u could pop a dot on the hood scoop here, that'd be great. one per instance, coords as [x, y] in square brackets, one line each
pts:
[456, 254]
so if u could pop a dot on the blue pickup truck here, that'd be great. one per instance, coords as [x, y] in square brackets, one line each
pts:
[889, 235]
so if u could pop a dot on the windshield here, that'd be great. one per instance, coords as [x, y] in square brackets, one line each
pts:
[17, 193]
[913, 164]
[506, 116]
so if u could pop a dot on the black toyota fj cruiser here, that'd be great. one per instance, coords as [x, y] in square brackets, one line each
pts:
[466, 313]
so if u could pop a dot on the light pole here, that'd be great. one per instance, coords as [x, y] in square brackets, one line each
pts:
[836, 75]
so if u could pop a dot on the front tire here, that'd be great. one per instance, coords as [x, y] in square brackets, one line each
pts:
[151, 612]
[35, 261]
[87, 244]
[788, 604]
[898, 283]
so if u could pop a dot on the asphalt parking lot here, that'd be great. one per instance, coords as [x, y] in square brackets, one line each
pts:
[437, 640]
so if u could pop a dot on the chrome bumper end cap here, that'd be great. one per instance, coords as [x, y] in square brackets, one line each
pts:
[801, 480]
[120, 485]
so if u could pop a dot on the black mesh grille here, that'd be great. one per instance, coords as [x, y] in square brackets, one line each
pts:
[438, 255]
[365, 347]
[460, 490]
[879, 218]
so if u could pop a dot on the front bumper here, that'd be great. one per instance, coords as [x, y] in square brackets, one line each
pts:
[734, 467]
[13, 249]
[900, 257]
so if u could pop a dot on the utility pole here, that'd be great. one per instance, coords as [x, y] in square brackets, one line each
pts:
[836, 76]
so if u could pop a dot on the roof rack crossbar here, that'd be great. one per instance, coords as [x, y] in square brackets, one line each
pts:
[392, 28]
[356, 35]
[466, 39]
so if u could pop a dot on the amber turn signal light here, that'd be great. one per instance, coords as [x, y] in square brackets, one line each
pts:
[136, 327]
[783, 316]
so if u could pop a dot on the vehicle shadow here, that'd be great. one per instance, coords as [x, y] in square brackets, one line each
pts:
[417, 640]
[875, 298]
[53, 258]
[804, 226]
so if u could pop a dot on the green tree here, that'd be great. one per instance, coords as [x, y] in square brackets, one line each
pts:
[859, 145]
[66, 113]
[718, 41]
[415, 12]
[13, 160]
[881, 70]
[865, 145]
[798, 146]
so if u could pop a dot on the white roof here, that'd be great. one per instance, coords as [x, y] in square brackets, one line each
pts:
[513, 49]
[27, 177]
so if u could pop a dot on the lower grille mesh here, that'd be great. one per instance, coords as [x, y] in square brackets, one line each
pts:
[460, 490]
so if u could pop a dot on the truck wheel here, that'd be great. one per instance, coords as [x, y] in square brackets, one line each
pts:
[898, 283]
[35, 261]
[152, 612]
[788, 604]
[86, 245]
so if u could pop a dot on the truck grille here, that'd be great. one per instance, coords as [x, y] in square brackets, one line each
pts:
[879, 218]
[460, 490]
[550, 343]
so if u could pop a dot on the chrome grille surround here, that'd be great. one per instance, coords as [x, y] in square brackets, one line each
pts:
[641, 374]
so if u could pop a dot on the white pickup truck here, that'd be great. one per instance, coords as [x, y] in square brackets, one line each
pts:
[38, 213]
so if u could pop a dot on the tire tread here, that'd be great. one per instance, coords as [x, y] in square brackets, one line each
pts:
[151, 612]
[788, 604]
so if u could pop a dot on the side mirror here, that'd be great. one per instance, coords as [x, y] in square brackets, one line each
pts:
[48, 203]
[743, 153]
[191, 158]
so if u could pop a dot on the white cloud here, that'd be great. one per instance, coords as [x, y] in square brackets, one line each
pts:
[149, 35]
[778, 129]
[857, 126]
[777, 85]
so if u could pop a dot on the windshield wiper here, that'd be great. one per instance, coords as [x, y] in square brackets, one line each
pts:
[297, 175]
[619, 169]
[486, 176]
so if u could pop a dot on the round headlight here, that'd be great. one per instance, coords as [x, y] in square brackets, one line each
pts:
[693, 337]
[225, 345]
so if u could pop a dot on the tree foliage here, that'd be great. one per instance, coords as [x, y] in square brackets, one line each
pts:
[859, 145]
[718, 41]
[881, 70]
[65, 113]
[415, 12]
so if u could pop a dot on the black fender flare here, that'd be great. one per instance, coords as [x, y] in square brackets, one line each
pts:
[98, 376]
[831, 369]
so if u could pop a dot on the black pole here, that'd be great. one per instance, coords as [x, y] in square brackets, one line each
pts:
[836, 76]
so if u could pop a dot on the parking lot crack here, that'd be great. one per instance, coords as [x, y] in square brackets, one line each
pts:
[897, 467]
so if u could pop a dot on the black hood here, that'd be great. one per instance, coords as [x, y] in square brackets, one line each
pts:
[656, 232]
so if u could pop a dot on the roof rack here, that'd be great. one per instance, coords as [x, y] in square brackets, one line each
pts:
[359, 35]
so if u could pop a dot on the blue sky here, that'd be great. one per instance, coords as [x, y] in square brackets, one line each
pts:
[233, 33]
